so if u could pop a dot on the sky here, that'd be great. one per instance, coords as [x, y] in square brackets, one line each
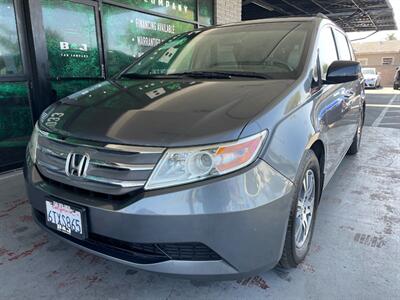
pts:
[380, 35]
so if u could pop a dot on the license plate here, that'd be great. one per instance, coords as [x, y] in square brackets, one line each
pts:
[66, 219]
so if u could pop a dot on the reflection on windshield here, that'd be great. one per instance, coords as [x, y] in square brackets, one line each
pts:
[269, 50]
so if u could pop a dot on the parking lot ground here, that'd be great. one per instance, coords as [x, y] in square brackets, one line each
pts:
[383, 108]
[355, 252]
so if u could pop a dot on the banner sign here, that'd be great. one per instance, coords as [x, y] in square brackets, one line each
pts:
[137, 32]
[185, 9]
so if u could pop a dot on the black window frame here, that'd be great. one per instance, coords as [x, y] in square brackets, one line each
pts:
[330, 28]
[338, 31]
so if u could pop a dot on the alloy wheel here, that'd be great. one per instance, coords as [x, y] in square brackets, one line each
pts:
[305, 209]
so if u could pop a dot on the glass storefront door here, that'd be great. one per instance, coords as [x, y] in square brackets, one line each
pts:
[15, 112]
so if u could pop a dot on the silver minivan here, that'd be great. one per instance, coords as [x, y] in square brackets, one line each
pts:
[207, 157]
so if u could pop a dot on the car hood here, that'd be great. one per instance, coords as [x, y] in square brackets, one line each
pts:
[162, 112]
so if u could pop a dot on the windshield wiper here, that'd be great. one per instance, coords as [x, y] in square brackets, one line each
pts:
[143, 76]
[202, 74]
[221, 74]
[249, 74]
[199, 74]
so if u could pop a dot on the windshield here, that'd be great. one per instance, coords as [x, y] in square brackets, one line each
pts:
[274, 50]
[368, 71]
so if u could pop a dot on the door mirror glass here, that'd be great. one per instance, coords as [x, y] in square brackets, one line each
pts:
[341, 71]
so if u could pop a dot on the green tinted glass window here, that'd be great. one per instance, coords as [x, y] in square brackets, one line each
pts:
[71, 39]
[137, 33]
[185, 9]
[10, 55]
[206, 12]
[15, 123]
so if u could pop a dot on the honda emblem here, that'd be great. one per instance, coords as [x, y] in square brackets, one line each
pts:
[77, 164]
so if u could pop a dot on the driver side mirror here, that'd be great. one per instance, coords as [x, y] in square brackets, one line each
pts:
[341, 71]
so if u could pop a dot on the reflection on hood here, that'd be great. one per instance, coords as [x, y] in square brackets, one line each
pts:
[163, 112]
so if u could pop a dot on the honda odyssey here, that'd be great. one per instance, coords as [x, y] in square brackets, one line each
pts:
[207, 157]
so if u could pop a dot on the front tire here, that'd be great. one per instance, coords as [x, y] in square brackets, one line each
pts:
[303, 212]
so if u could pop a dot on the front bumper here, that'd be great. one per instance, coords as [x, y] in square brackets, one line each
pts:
[242, 218]
[370, 83]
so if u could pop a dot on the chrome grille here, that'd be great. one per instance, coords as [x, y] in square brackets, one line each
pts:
[112, 169]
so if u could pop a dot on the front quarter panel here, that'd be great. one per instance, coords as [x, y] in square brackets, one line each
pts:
[290, 139]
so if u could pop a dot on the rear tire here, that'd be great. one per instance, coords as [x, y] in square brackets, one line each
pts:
[355, 146]
[303, 212]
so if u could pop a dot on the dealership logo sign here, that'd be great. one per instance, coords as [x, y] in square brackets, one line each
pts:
[71, 46]
[65, 46]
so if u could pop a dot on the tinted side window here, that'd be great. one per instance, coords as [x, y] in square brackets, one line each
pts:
[327, 50]
[342, 46]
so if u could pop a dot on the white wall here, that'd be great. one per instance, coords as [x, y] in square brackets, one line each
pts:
[228, 11]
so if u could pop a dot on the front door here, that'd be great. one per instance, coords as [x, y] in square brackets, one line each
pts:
[351, 94]
[332, 105]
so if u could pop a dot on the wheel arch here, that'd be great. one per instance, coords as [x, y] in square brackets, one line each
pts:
[318, 148]
[364, 107]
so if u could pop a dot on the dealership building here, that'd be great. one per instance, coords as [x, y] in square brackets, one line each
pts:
[384, 56]
[52, 48]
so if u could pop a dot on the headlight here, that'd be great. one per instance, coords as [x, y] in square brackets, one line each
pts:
[184, 165]
[32, 146]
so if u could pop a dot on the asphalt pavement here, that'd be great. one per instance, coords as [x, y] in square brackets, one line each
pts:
[383, 108]
[355, 252]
